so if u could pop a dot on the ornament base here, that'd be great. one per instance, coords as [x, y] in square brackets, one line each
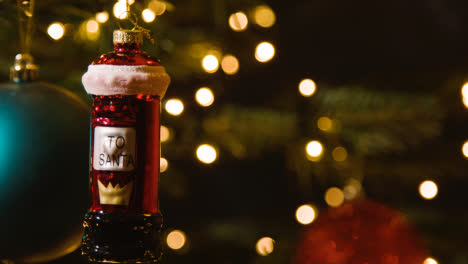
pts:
[122, 238]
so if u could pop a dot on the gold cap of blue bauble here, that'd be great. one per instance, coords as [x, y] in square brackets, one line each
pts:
[24, 69]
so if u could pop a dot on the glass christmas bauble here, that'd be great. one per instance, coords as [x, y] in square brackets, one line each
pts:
[43, 171]
[361, 232]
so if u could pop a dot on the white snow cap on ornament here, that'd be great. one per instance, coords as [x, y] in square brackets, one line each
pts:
[101, 79]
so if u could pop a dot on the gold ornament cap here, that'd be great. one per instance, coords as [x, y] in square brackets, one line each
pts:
[124, 36]
[24, 69]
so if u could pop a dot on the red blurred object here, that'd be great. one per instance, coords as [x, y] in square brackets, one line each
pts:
[140, 112]
[362, 232]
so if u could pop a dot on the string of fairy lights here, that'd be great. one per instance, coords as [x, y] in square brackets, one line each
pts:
[211, 62]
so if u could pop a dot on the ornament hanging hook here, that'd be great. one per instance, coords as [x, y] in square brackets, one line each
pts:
[24, 69]
[133, 18]
[25, 23]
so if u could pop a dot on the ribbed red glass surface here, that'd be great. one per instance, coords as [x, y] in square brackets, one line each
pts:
[140, 112]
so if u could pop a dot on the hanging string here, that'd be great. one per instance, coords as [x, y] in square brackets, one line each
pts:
[133, 18]
[127, 5]
[25, 23]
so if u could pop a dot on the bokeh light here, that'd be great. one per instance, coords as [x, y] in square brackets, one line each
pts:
[206, 153]
[352, 189]
[334, 197]
[307, 87]
[339, 154]
[264, 16]
[163, 164]
[465, 149]
[230, 64]
[264, 52]
[176, 239]
[89, 30]
[165, 134]
[305, 214]
[464, 90]
[428, 190]
[120, 9]
[148, 15]
[465, 101]
[174, 107]
[430, 261]
[92, 26]
[158, 7]
[56, 30]
[210, 63]
[265, 246]
[204, 96]
[238, 21]
[324, 123]
[102, 17]
[314, 148]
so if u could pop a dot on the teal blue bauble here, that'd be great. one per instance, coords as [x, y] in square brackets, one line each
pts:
[44, 152]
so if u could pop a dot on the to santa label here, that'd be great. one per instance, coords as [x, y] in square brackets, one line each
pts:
[114, 148]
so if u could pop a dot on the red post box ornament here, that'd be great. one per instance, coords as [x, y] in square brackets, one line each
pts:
[123, 223]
